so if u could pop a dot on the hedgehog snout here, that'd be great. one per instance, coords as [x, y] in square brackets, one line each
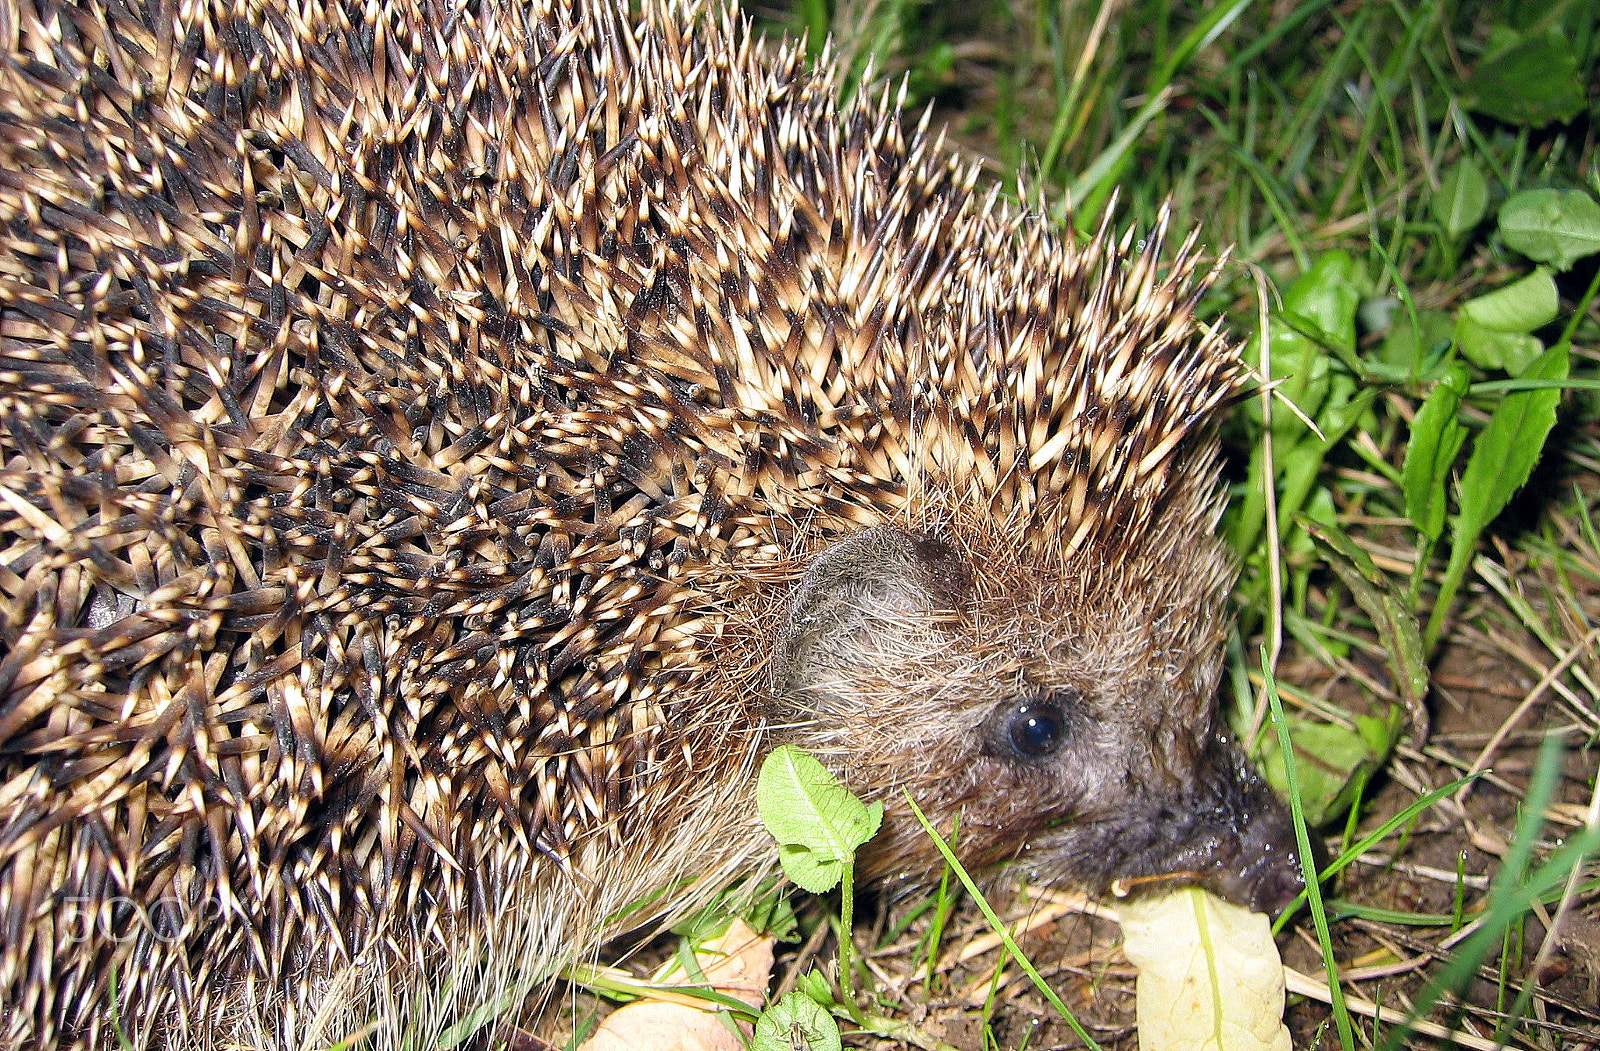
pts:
[1215, 824]
[1230, 834]
[1266, 874]
[1257, 863]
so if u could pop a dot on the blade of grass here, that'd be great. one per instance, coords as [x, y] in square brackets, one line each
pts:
[1090, 191]
[998, 926]
[1371, 840]
[1308, 859]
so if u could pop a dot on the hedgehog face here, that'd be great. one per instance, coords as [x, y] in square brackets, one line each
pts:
[1077, 737]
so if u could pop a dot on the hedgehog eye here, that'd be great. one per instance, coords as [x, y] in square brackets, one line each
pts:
[1034, 729]
[1030, 728]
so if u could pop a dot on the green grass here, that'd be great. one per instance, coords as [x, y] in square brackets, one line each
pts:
[1408, 191]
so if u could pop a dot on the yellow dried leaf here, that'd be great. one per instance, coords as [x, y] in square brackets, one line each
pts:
[1210, 978]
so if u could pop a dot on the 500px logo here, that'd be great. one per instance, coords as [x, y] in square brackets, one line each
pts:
[124, 919]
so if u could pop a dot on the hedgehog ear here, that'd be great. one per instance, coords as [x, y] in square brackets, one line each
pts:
[858, 595]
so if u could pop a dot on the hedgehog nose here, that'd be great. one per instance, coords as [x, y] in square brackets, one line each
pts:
[1267, 874]
[1257, 863]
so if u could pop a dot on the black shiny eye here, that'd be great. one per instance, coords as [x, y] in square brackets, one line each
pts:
[1029, 728]
[1034, 728]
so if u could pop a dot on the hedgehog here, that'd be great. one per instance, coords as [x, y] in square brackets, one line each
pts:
[446, 444]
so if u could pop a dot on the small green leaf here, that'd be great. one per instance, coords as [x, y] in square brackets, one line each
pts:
[1462, 199]
[1492, 330]
[1488, 349]
[1380, 734]
[1530, 81]
[1552, 226]
[1322, 302]
[1521, 306]
[817, 822]
[1318, 317]
[1375, 592]
[1412, 341]
[1436, 437]
[773, 914]
[795, 1023]
[813, 985]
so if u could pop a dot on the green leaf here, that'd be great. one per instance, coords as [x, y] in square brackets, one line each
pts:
[1491, 330]
[1552, 226]
[1489, 349]
[1412, 341]
[795, 1023]
[765, 907]
[1531, 81]
[1521, 306]
[1502, 459]
[1318, 317]
[1462, 199]
[814, 986]
[1334, 761]
[817, 822]
[1322, 302]
[1380, 734]
[1506, 450]
[1436, 437]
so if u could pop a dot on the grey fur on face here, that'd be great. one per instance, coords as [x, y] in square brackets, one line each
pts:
[1025, 743]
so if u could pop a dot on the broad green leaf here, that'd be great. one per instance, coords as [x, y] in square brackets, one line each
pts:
[1462, 199]
[1552, 226]
[1491, 330]
[1210, 978]
[1334, 761]
[795, 1023]
[1436, 437]
[1506, 450]
[1530, 81]
[817, 822]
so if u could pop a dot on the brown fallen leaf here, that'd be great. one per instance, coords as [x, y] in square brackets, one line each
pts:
[736, 964]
